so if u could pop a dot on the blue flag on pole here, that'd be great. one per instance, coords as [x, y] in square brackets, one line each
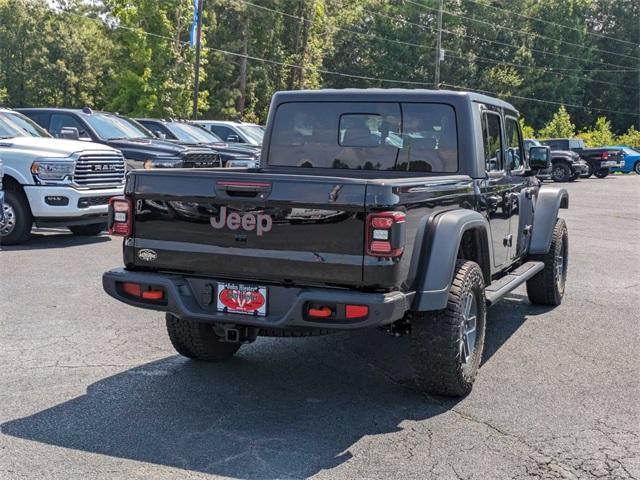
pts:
[193, 33]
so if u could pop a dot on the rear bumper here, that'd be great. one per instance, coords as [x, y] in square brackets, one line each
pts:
[194, 298]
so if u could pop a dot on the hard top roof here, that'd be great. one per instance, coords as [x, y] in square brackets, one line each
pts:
[390, 94]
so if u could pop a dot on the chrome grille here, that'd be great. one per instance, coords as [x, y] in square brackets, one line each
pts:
[201, 160]
[99, 170]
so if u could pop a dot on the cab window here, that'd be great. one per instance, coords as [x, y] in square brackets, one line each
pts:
[515, 156]
[492, 141]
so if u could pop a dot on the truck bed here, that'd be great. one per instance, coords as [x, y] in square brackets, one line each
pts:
[277, 226]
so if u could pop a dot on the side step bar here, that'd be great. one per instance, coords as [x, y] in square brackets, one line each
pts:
[508, 283]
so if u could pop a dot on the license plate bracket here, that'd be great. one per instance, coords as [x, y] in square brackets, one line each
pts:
[242, 299]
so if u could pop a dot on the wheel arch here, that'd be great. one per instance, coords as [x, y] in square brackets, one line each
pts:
[12, 174]
[452, 235]
[550, 200]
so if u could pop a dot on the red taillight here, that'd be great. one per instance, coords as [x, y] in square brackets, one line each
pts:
[356, 311]
[385, 234]
[120, 213]
[605, 155]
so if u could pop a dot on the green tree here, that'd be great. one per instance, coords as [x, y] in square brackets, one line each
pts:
[599, 135]
[560, 126]
[155, 61]
[527, 130]
[630, 138]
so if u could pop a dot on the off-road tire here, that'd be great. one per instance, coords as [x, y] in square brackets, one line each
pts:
[17, 201]
[561, 177]
[602, 173]
[436, 337]
[198, 340]
[88, 230]
[543, 288]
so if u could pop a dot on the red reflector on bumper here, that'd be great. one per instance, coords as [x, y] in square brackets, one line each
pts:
[322, 312]
[132, 289]
[356, 311]
[153, 295]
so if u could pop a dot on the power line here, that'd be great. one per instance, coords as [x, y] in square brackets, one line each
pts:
[492, 25]
[548, 22]
[543, 52]
[362, 77]
[539, 100]
[409, 44]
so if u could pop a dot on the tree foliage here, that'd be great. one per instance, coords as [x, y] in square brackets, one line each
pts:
[132, 55]
[560, 126]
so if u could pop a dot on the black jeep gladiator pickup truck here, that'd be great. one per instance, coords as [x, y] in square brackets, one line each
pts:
[410, 210]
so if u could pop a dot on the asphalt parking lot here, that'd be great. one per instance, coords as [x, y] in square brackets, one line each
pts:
[91, 388]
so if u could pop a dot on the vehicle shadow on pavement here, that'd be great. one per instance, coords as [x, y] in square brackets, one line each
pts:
[283, 408]
[56, 239]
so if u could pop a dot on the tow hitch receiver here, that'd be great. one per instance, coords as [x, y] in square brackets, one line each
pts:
[235, 333]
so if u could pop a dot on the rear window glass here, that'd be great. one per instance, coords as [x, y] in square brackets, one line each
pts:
[418, 137]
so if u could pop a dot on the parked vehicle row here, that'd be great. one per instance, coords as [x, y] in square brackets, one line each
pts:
[61, 166]
[52, 182]
[599, 161]
[341, 229]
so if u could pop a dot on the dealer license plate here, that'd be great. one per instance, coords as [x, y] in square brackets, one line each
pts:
[244, 299]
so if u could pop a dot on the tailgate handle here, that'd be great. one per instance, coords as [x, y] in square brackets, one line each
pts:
[243, 189]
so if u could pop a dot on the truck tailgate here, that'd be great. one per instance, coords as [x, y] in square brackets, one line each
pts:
[250, 226]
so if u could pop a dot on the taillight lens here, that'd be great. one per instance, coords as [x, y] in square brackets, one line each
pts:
[605, 155]
[120, 213]
[385, 234]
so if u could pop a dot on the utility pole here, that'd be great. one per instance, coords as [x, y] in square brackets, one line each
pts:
[196, 81]
[439, 52]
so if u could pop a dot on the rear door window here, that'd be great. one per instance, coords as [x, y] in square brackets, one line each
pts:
[492, 141]
[420, 137]
[515, 156]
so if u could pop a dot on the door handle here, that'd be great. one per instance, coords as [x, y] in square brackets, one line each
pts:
[507, 241]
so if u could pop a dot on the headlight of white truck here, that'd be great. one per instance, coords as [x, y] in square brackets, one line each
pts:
[52, 169]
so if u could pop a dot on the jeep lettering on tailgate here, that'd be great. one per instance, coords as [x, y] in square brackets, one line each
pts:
[249, 221]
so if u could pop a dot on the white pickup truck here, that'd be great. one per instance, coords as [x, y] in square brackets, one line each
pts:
[54, 183]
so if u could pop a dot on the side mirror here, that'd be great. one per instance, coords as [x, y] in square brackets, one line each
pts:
[539, 158]
[233, 138]
[160, 135]
[70, 133]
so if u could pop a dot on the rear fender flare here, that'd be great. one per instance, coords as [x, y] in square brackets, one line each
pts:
[550, 200]
[442, 242]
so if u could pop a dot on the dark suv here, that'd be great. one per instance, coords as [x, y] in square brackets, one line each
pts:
[189, 134]
[138, 145]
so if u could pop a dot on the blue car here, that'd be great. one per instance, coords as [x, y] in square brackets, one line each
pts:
[631, 160]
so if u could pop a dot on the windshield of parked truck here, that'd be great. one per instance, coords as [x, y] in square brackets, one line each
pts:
[14, 124]
[113, 127]
[192, 133]
[255, 133]
[413, 137]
